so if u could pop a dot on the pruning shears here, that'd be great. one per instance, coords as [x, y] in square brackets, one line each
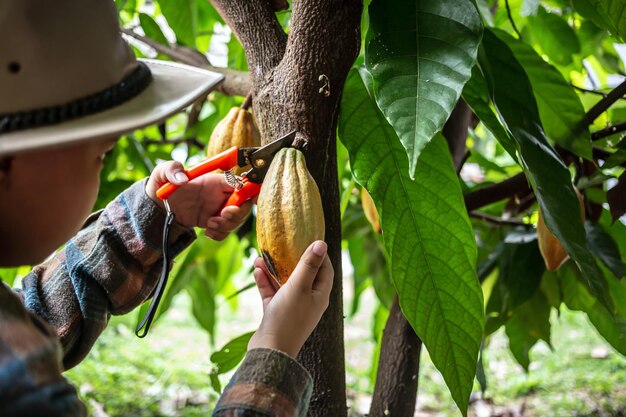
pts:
[245, 187]
[249, 185]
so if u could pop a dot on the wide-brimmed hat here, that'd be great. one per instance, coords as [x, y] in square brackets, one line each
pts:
[66, 75]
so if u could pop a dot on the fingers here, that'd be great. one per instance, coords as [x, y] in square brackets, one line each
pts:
[260, 263]
[231, 218]
[324, 280]
[172, 172]
[237, 214]
[264, 284]
[308, 267]
[217, 182]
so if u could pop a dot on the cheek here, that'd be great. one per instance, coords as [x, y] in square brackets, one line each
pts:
[80, 190]
[61, 201]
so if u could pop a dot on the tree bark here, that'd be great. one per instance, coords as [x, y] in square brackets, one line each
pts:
[395, 392]
[287, 75]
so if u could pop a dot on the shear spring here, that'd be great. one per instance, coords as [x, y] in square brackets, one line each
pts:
[232, 179]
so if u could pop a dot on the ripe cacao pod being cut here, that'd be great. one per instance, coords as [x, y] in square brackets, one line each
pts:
[553, 253]
[236, 129]
[289, 213]
[369, 208]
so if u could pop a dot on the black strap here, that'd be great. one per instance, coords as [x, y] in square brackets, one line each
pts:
[129, 87]
[160, 289]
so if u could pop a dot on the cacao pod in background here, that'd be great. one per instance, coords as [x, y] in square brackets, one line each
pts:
[289, 213]
[236, 129]
[369, 208]
[553, 253]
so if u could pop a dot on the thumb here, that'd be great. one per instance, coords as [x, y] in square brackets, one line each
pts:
[172, 172]
[308, 266]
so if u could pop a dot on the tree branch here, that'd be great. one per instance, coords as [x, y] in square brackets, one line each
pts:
[255, 25]
[602, 105]
[236, 83]
[608, 131]
[510, 15]
[455, 132]
[323, 43]
[496, 192]
[596, 92]
[496, 220]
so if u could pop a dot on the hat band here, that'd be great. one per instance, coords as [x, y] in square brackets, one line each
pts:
[129, 87]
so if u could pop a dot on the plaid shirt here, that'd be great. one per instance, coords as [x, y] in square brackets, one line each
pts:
[110, 267]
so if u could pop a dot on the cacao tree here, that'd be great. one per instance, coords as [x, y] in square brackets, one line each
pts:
[463, 119]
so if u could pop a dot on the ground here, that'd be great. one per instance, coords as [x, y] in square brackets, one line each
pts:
[166, 374]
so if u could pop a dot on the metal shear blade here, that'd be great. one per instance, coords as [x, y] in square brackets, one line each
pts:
[262, 157]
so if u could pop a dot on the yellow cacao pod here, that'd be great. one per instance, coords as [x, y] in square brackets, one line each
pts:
[236, 129]
[553, 253]
[289, 213]
[369, 208]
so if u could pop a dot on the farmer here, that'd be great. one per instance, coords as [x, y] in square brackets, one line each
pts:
[69, 87]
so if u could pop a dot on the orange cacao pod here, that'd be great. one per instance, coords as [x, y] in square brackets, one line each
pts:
[236, 129]
[369, 208]
[553, 253]
[289, 213]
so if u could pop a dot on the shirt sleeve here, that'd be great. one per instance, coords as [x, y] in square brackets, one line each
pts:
[268, 383]
[110, 267]
[30, 365]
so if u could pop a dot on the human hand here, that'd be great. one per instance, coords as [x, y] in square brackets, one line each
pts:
[291, 312]
[198, 202]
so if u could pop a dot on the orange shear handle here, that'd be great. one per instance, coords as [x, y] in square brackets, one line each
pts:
[224, 161]
[248, 191]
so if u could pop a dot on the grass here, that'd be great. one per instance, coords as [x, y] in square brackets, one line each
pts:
[166, 374]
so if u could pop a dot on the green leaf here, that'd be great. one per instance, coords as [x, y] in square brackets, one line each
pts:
[10, 275]
[604, 247]
[590, 37]
[427, 234]
[420, 54]
[228, 357]
[370, 264]
[609, 14]
[236, 55]
[182, 17]
[233, 352]
[127, 9]
[485, 11]
[379, 320]
[551, 289]
[476, 95]
[207, 18]
[576, 297]
[562, 114]
[549, 177]
[151, 29]
[554, 36]
[481, 376]
[521, 268]
[529, 323]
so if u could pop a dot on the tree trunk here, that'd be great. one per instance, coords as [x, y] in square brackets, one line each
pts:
[297, 85]
[395, 392]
